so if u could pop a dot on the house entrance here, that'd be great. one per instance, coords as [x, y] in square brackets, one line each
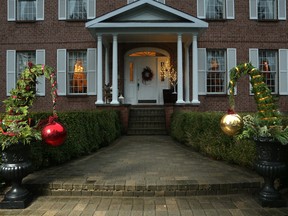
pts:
[143, 81]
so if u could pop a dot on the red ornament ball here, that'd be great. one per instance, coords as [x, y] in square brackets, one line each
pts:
[54, 134]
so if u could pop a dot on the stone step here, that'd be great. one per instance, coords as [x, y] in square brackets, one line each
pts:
[147, 131]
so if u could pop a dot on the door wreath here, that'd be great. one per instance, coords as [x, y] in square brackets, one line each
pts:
[147, 74]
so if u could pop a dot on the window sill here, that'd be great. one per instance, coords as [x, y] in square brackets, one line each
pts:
[26, 21]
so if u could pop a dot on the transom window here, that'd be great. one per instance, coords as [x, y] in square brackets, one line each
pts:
[267, 9]
[77, 72]
[26, 10]
[216, 65]
[22, 61]
[77, 9]
[268, 66]
[215, 9]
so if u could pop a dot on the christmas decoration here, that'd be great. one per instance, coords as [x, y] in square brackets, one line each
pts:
[267, 121]
[53, 133]
[231, 124]
[147, 75]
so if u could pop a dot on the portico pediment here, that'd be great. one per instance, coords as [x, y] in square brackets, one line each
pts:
[146, 13]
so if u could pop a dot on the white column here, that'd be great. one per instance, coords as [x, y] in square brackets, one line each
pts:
[99, 71]
[179, 71]
[195, 71]
[187, 78]
[115, 71]
[107, 77]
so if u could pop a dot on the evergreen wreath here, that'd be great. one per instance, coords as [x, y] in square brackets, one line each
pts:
[147, 74]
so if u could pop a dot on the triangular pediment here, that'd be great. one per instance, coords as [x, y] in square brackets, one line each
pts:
[145, 11]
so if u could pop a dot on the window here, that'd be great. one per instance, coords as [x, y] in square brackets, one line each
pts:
[267, 9]
[77, 65]
[25, 10]
[76, 9]
[216, 72]
[17, 61]
[76, 72]
[22, 61]
[215, 9]
[268, 67]
[213, 69]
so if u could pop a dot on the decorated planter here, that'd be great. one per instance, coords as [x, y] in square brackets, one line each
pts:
[270, 165]
[15, 166]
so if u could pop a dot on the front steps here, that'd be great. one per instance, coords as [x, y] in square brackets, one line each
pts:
[147, 121]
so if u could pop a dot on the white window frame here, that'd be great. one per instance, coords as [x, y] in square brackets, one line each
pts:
[91, 72]
[281, 73]
[231, 61]
[280, 13]
[229, 9]
[63, 12]
[12, 11]
[11, 71]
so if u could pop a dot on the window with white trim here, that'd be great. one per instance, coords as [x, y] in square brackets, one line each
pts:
[267, 9]
[268, 67]
[17, 61]
[76, 9]
[161, 1]
[216, 73]
[76, 72]
[25, 10]
[215, 9]
[213, 69]
[77, 65]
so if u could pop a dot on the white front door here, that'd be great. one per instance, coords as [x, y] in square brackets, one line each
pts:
[136, 89]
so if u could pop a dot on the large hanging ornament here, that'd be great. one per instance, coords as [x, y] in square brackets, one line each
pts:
[231, 124]
[54, 133]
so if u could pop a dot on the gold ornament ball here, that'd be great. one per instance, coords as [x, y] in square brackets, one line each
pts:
[231, 124]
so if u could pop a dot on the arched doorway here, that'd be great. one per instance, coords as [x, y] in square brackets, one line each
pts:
[139, 89]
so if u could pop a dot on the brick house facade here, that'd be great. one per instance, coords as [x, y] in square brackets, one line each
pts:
[135, 34]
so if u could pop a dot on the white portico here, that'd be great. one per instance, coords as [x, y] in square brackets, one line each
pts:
[146, 22]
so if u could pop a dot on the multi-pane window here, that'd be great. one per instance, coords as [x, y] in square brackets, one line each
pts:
[26, 10]
[22, 61]
[77, 72]
[216, 71]
[267, 9]
[268, 67]
[77, 9]
[215, 9]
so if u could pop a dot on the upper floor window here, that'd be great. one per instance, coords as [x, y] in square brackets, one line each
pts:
[268, 9]
[130, 1]
[76, 9]
[25, 10]
[76, 72]
[215, 9]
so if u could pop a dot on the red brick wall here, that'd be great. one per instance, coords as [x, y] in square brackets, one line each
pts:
[52, 34]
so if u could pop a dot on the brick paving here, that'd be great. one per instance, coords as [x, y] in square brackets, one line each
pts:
[145, 175]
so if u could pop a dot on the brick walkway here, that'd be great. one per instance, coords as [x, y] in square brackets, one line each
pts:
[145, 175]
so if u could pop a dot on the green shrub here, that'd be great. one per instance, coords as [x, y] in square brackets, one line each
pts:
[86, 132]
[202, 131]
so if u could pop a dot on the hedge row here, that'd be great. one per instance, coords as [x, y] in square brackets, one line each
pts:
[202, 131]
[86, 132]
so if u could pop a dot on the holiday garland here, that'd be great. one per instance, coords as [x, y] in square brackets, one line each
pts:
[267, 111]
[147, 74]
[16, 124]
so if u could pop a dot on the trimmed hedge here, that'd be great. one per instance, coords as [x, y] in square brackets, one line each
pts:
[86, 132]
[202, 131]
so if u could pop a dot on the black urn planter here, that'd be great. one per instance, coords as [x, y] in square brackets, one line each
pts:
[270, 165]
[15, 166]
